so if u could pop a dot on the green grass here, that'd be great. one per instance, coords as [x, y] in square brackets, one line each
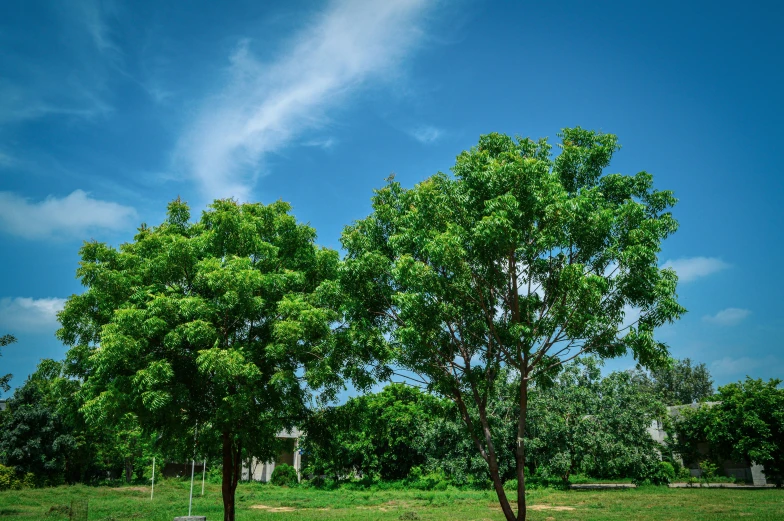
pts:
[302, 504]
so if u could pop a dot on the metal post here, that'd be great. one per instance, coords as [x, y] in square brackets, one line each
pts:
[152, 489]
[203, 474]
[193, 468]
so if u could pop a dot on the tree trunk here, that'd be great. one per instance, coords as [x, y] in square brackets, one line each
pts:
[501, 493]
[231, 474]
[128, 470]
[492, 462]
[520, 452]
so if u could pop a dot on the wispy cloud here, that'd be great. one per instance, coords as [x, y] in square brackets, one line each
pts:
[728, 317]
[738, 367]
[92, 14]
[264, 106]
[426, 134]
[692, 268]
[74, 214]
[24, 314]
[327, 143]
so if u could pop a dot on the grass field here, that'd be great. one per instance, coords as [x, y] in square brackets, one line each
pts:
[266, 502]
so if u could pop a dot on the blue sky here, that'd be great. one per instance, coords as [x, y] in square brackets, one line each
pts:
[108, 110]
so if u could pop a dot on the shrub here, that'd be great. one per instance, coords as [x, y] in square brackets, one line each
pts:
[666, 473]
[511, 485]
[284, 475]
[11, 480]
[708, 470]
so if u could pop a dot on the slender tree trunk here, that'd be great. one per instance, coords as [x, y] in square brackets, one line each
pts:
[492, 462]
[520, 452]
[231, 474]
[500, 492]
[128, 469]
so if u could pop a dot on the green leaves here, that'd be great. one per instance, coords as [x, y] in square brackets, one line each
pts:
[207, 322]
[518, 262]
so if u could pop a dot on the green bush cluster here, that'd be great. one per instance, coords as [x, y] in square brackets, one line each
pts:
[12, 480]
[284, 475]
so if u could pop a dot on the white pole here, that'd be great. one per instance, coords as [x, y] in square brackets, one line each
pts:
[190, 504]
[152, 489]
[203, 474]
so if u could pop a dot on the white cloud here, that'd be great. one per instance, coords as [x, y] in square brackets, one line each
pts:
[692, 268]
[734, 368]
[728, 317]
[71, 215]
[426, 134]
[29, 314]
[264, 106]
[323, 143]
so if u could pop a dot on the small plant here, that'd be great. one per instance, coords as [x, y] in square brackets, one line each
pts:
[684, 474]
[708, 470]
[409, 516]
[284, 475]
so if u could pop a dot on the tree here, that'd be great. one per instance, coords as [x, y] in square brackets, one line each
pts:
[679, 382]
[746, 424]
[34, 437]
[210, 327]
[374, 435]
[4, 341]
[597, 426]
[518, 261]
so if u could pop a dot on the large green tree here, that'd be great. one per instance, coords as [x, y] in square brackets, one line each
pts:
[373, 435]
[518, 261]
[210, 326]
[745, 424]
[583, 423]
[678, 382]
[35, 437]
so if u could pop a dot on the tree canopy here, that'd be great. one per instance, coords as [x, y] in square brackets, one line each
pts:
[678, 382]
[211, 326]
[745, 424]
[4, 379]
[519, 261]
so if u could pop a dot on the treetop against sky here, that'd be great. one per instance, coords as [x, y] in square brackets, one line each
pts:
[109, 110]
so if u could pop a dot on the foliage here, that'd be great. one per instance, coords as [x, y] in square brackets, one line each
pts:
[678, 382]
[35, 437]
[10, 479]
[708, 470]
[666, 473]
[519, 261]
[582, 423]
[4, 379]
[371, 435]
[747, 424]
[284, 474]
[209, 328]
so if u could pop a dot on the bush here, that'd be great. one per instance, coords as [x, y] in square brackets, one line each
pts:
[11, 480]
[284, 475]
[666, 473]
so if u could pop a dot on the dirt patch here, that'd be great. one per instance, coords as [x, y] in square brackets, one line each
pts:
[132, 489]
[273, 509]
[549, 507]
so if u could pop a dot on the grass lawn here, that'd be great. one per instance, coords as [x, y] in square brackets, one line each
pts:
[256, 501]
